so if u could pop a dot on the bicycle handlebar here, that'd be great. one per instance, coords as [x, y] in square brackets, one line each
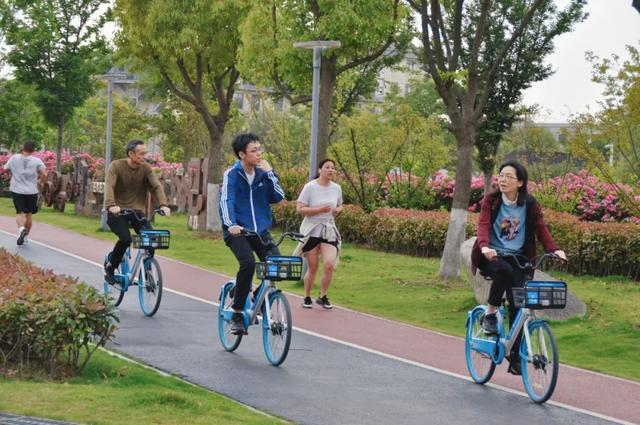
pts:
[538, 260]
[289, 235]
[128, 211]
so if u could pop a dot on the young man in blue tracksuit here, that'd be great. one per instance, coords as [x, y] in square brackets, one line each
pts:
[248, 189]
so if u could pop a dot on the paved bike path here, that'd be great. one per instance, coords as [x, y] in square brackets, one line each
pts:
[325, 369]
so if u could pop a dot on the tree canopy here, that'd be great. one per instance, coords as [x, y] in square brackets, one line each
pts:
[56, 47]
[523, 65]
[193, 46]
[373, 34]
[20, 117]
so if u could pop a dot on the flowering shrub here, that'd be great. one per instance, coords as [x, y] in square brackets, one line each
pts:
[406, 190]
[587, 197]
[47, 322]
[292, 181]
[157, 163]
[5, 176]
[444, 186]
[411, 196]
[95, 165]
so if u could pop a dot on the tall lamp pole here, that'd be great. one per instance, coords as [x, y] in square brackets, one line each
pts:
[318, 47]
[118, 78]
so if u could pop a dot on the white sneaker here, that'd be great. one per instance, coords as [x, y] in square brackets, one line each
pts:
[22, 233]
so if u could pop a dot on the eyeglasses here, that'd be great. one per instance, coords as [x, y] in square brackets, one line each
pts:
[506, 177]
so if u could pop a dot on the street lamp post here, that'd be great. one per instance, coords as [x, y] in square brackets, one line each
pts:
[110, 79]
[610, 147]
[318, 47]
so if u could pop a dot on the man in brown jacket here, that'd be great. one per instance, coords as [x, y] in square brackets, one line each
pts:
[128, 183]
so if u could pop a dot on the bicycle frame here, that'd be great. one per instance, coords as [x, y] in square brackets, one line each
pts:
[129, 273]
[497, 348]
[251, 309]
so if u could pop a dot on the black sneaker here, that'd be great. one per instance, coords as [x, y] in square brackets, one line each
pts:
[324, 302]
[307, 303]
[109, 277]
[515, 365]
[23, 234]
[490, 324]
[237, 324]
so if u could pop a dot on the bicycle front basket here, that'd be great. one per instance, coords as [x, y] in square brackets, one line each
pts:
[156, 239]
[280, 268]
[539, 295]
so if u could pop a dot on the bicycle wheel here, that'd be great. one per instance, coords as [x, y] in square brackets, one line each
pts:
[276, 329]
[114, 291]
[150, 293]
[540, 372]
[229, 341]
[480, 365]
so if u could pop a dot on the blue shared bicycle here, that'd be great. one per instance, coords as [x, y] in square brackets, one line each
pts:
[269, 303]
[144, 272]
[538, 351]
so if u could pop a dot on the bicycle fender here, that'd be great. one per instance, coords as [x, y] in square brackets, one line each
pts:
[531, 325]
[480, 307]
[537, 321]
[231, 282]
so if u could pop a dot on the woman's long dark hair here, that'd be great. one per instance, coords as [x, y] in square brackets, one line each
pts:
[324, 161]
[522, 175]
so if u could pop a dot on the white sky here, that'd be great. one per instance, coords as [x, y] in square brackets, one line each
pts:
[611, 25]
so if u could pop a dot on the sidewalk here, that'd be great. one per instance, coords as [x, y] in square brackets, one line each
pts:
[580, 389]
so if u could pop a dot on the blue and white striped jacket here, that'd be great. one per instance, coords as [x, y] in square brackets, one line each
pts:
[246, 206]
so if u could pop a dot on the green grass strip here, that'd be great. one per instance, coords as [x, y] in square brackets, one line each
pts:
[112, 391]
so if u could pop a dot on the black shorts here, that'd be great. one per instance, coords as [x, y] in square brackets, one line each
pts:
[314, 242]
[25, 203]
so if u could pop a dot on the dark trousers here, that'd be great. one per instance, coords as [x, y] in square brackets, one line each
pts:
[119, 224]
[243, 248]
[506, 274]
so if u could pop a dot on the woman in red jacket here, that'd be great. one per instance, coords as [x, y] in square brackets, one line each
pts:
[510, 219]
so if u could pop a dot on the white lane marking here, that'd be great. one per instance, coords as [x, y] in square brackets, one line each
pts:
[373, 351]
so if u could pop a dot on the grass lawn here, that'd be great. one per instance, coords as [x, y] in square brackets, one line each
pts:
[115, 391]
[407, 289]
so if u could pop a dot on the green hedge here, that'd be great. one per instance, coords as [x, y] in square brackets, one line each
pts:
[599, 249]
[48, 323]
[412, 232]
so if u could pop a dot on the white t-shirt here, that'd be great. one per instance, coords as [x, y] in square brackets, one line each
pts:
[315, 195]
[250, 177]
[24, 173]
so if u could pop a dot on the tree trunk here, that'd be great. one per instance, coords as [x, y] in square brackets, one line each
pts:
[450, 262]
[214, 170]
[327, 83]
[488, 179]
[59, 147]
[216, 163]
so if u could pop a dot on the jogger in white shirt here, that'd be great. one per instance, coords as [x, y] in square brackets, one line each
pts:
[25, 170]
